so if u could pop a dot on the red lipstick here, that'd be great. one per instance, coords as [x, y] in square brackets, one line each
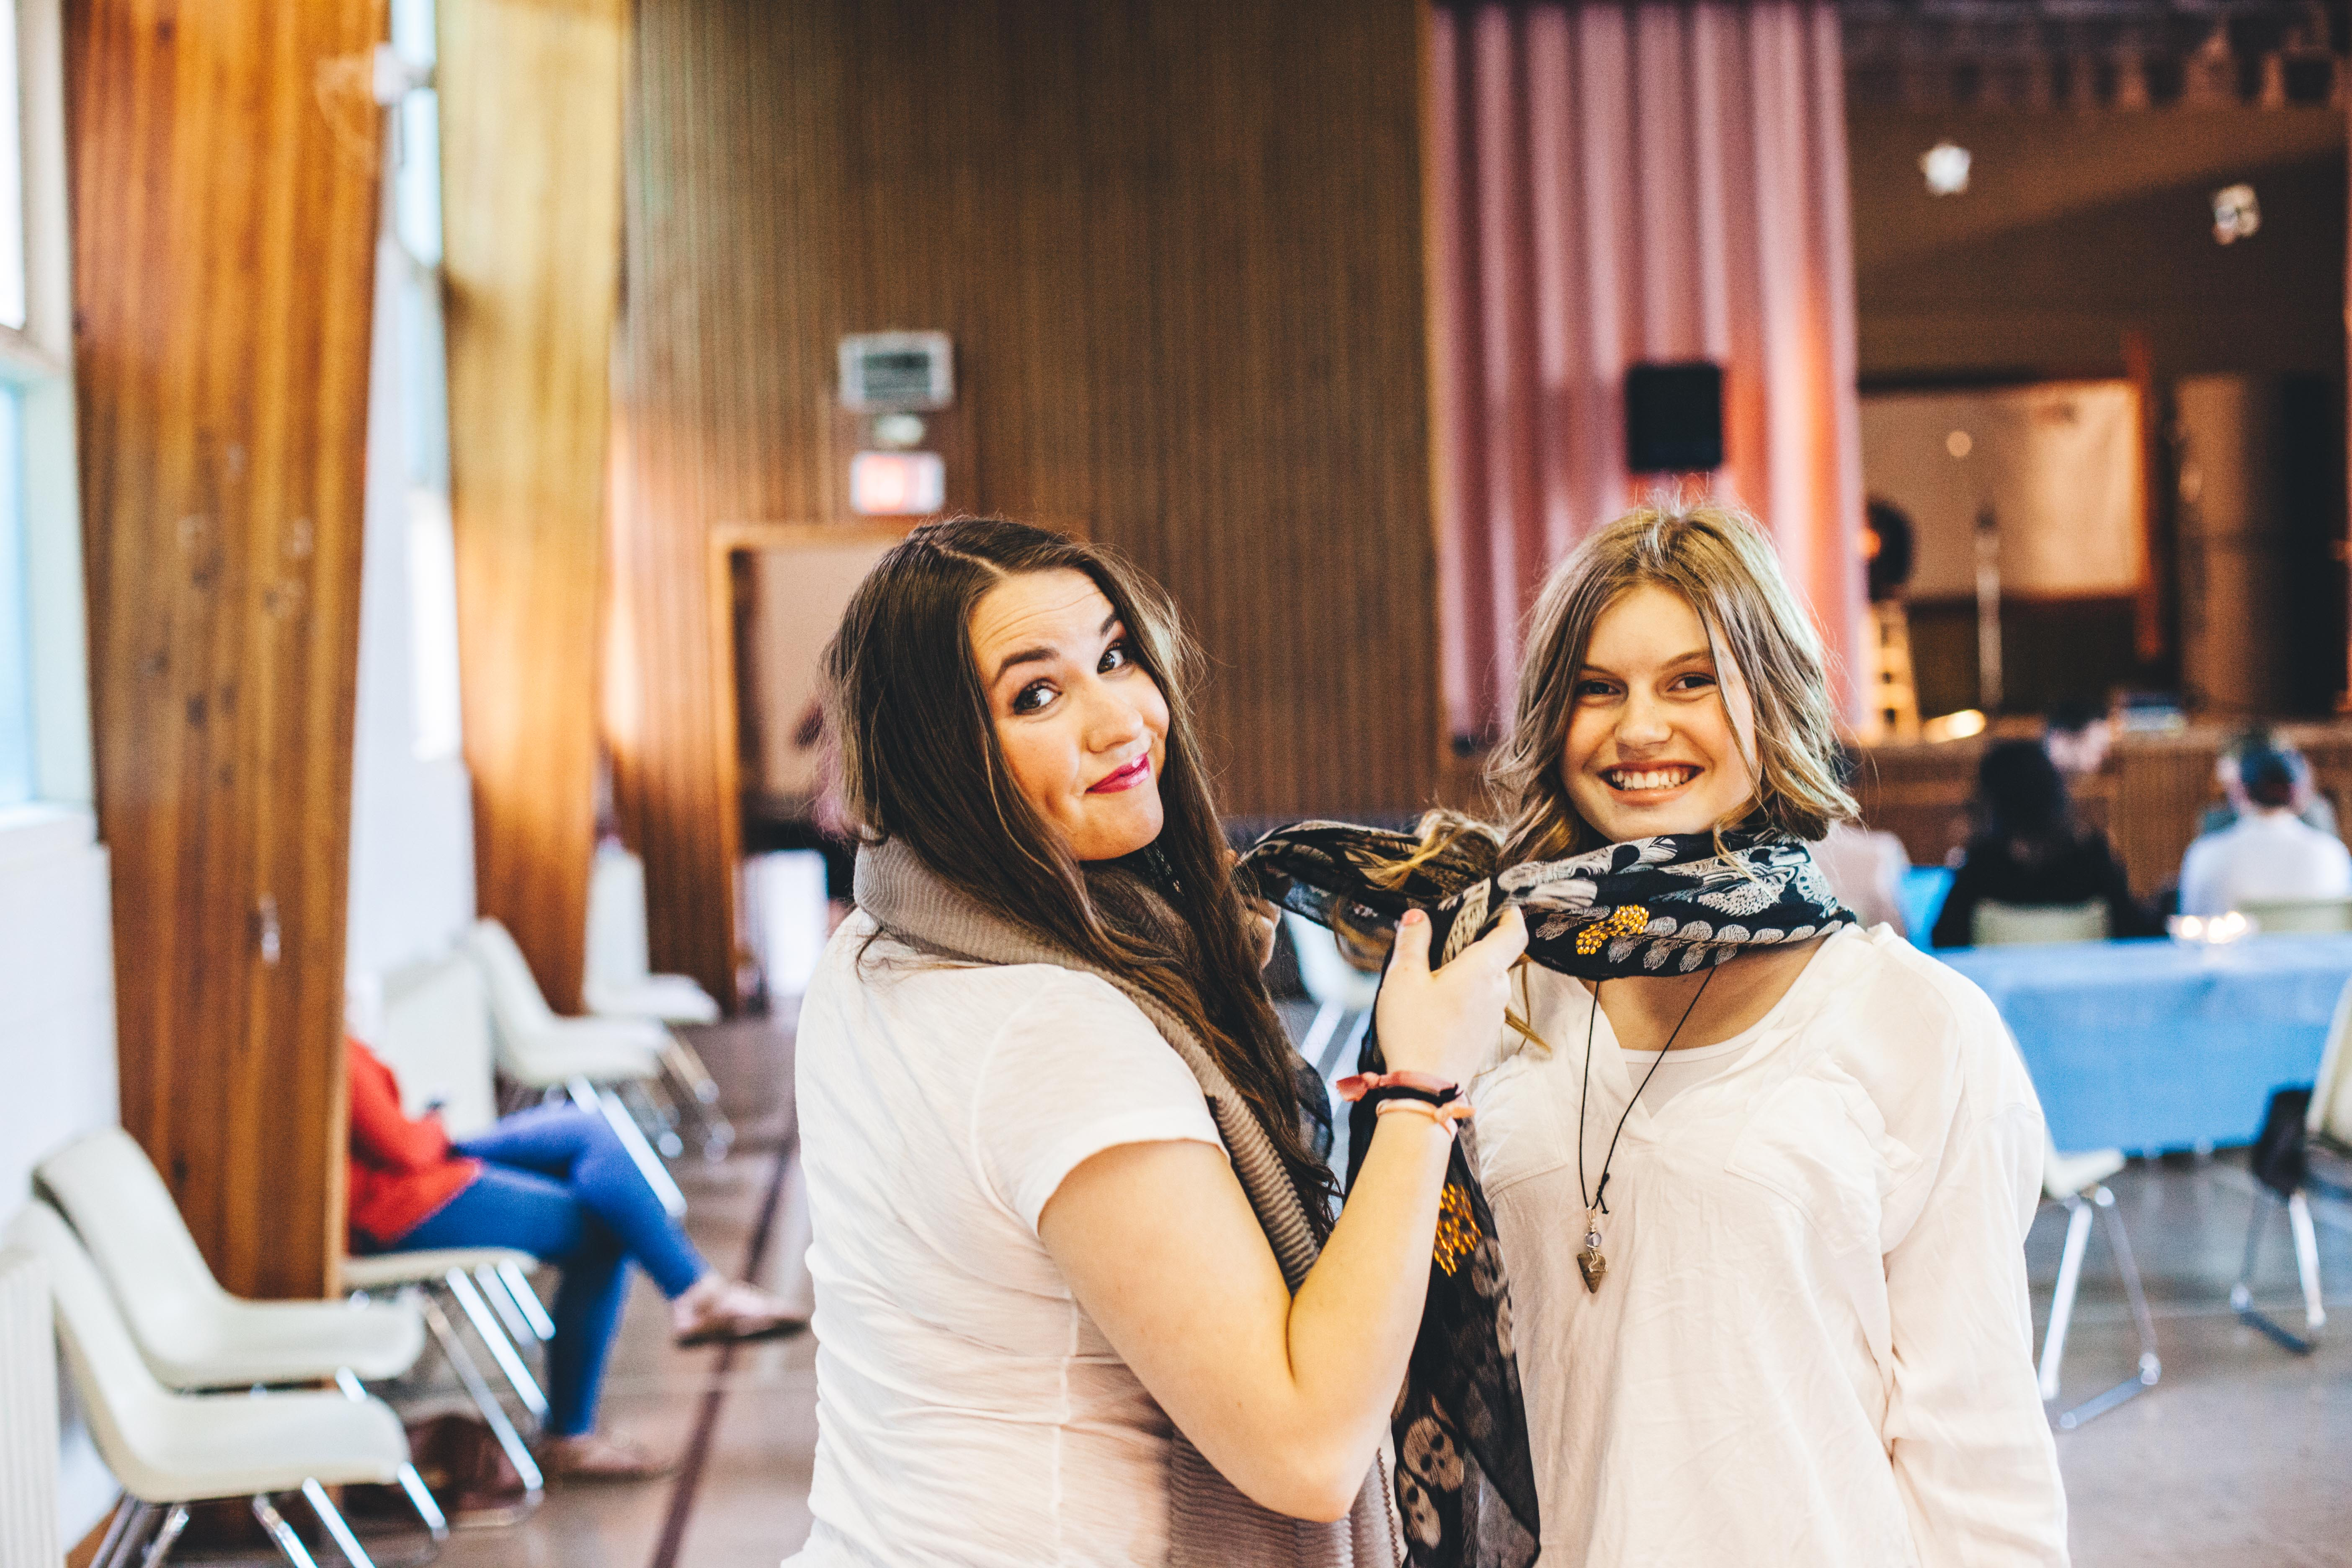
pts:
[1137, 772]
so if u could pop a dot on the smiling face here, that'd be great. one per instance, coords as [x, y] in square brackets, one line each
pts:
[1660, 731]
[1083, 726]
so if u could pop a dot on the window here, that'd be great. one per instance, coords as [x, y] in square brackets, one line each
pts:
[17, 771]
[12, 177]
[43, 683]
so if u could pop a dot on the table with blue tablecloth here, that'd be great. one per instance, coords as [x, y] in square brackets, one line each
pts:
[2157, 1045]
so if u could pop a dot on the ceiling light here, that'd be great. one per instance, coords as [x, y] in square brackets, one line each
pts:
[2236, 214]
[1960, 443]
[1946, 168]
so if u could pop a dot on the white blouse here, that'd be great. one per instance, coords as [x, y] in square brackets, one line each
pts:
[969, 1411]
[1813, 1343]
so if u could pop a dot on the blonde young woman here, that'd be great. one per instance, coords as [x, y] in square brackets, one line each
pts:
[1760, 1178]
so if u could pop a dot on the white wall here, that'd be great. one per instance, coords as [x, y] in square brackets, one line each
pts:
[412, 804]
[56, 1043]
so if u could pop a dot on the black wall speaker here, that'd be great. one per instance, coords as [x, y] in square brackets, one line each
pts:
[1673, 417]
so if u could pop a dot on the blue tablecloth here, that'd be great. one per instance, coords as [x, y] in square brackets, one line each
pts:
[2157, 1045]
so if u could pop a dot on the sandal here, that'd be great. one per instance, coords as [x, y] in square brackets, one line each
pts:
[602, 1457]
[732, 1312]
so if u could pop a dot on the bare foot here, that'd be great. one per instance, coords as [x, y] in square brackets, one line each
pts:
[716, 1312]
[602, 1457]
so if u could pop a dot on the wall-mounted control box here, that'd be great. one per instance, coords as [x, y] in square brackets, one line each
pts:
[888, 372]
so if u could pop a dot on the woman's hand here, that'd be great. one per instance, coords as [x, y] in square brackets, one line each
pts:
[1446, 1024]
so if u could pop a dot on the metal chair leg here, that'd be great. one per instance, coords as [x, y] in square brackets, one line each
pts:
[461, 1360]
[493, 1287]
[2241, 1294]
[616, 1116]
[2061, 1303]
[290, 1546]
[502, 1349]
[123, 1531]
[420, 1496]
[322, 1506]
[2149, 1369]
[657, 1116]
[160, 1549]
[519, 1287]
[2306, 1261]
[700, 1099]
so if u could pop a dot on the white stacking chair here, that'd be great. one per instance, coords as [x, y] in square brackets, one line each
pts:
[193, 1335]
[578, 1056]
[619, 984]
[1337, 987]
[2078, 1182]
[2327, 1125]
[1996, 925]
[2289, 916]
[170, 1449]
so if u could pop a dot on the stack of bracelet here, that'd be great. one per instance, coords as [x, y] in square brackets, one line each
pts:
[1423, 1095]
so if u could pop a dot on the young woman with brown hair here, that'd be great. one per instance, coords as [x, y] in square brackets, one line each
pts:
[1761, 1178]
[1079, 1297]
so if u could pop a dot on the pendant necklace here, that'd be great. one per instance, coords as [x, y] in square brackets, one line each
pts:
[1590, 1260]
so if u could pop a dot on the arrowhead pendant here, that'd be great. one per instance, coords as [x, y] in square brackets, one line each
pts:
[1591, 1262]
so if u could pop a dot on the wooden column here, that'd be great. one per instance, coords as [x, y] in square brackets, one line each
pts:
[530, 158]
[1178, 249]
[224, 164]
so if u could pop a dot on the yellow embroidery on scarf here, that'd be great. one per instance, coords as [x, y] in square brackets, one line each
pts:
[1625, 919]
[1458, 1228]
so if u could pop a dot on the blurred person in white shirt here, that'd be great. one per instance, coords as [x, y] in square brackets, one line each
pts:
[2268, 853]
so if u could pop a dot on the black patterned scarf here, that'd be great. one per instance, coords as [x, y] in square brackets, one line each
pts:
[1671, 905]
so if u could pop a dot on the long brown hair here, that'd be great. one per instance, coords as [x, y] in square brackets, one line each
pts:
[1718, 559]
[919, 762]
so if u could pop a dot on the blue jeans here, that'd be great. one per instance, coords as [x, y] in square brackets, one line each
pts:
[557, 1183]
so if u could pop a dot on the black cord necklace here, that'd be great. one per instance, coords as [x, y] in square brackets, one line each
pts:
[1590, 1260]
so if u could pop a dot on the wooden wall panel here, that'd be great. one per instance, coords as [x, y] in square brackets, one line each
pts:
[530, 127]
[225, 163]
[1180, 251]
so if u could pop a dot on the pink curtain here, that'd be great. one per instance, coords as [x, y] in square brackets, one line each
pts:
[1612, 184]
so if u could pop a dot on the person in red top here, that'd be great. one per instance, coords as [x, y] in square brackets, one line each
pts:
[555, 1182]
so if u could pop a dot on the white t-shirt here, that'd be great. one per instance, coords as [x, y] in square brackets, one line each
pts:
[2263, 855]
[1657, 1076]
[1813, 1343]
[968, 1411]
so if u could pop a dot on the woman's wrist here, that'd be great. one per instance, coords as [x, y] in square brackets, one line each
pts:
[1421, 1111]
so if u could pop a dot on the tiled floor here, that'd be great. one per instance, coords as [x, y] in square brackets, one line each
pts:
[2237, 1458]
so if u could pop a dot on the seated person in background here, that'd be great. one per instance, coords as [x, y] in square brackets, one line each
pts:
[2077, 736]
[555, 1182]
[1865, 868]
[2030, 848]
[2313, 807]
[2268, 853]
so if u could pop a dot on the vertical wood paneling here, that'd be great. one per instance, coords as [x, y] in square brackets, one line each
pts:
[531, 127]
[225, 163]
[1180, 251]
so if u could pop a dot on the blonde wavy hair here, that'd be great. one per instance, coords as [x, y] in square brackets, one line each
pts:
[1718, 559]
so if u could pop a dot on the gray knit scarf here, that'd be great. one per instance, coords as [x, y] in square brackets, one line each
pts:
[1210, 1523]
